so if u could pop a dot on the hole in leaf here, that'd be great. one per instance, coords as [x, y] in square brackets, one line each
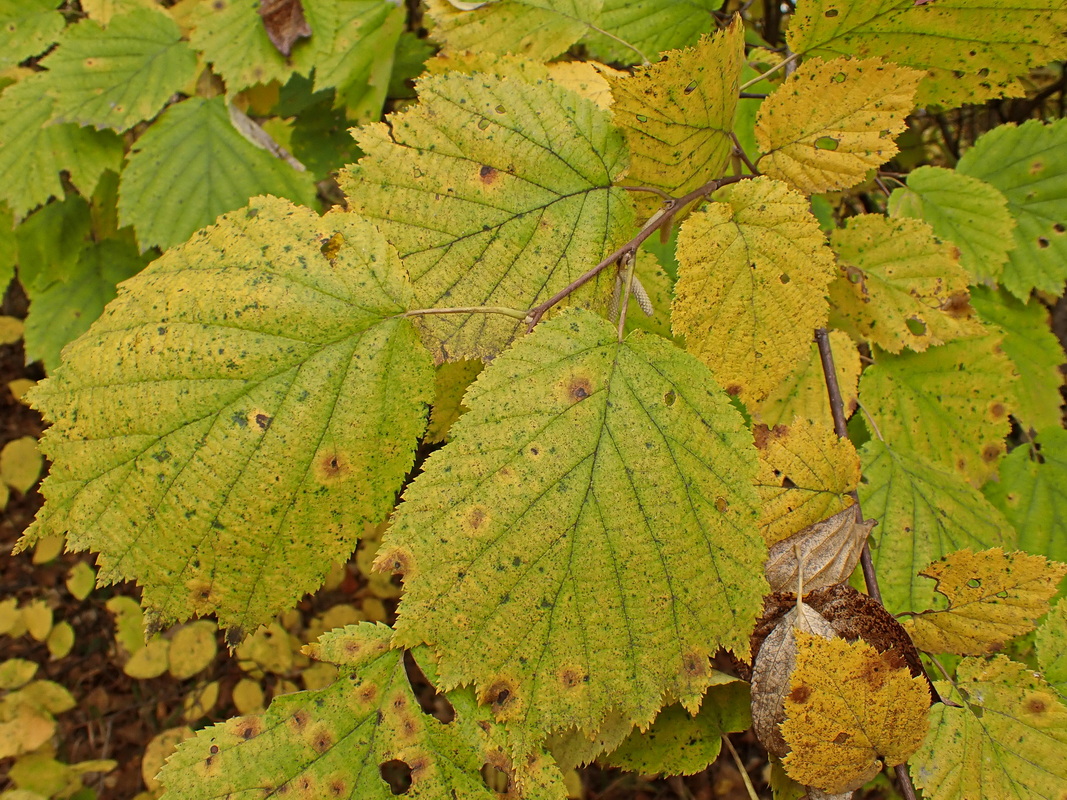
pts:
[830, 13]
[983, 72]
[916, 326]
[495, 778]
[784, 278]
[332, 246]
[1059, 228]
[1042, 242]
[500, 110]
[483, 124]
[397, 775]
[690, 88]
[826, 143]
[974, 583]
[430, 700]
[839, 77]
[669, 398]
[642, 118]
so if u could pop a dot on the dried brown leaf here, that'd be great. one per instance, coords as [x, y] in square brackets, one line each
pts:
[284, 22]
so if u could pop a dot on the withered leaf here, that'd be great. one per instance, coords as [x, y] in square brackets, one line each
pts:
[829, 551]
[284, 22]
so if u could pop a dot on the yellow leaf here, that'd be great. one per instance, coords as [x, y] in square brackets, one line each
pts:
[200, 701]
[23, 729]
[38, 618]
[586, 78]
[48, 695]
[268, 648]
[805, 473]
[192, 649]
[992, 596]
[20, 464]
[61, 640]
[677, 115]
[157, 752]
[453, 378]
[898, 285]
[19, 387]
[47, 549]
[536, 29]
[10, 330]
[11, 621]
[849, 706]
[81, 580]
[16, 672]
[129, 623]
[1006, 740]
[248, 696]
[754, 268]
[832, 121]
[150, 661]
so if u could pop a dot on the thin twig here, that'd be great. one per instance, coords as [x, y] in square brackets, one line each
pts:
[752, 95]
[628, 262]
[783, 63]
[652, 189]
[904, 782]
[739, 151]
[741, 768]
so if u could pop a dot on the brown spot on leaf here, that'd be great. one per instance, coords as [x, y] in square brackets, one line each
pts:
[695, 665]
[570, 678]
[248, 727]
[800, 694]
[476, 518]
[991, 452]
[263, 421]
[958, 305]
[367, 694]
[321, 741]
[501, 694]
[841, 738]
[998, 410]
[1036, 705]
[721, 504]
[1036, 166]
[578, 388]
[487, 174]
[331, 466]
[733, 389]
[299, 720]
[338, 788]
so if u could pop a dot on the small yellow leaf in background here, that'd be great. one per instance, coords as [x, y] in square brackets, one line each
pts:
[677, 115]
[850, 705]
[48, 695]
[20, 464]
[993, 596]
[129, 623]
[81, 580]
[802, 393]
[318, 676]
[200, 701]
[150, 661]
[19, 387]
[805, 473]
[832, 121]
[192, 649]
[60, 640]
[899, 286]
[10, 330]
[38, 617]
[11, 621]
[16, 672]
[157, 752]
[248, 696]
[48, 548]
[268, 648]
[754, 267]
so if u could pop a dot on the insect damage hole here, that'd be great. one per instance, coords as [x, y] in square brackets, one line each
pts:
[431, 701]
[495, 779]
[396, 774]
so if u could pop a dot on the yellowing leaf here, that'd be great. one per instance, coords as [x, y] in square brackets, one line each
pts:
[150, 661]
[199, 701]
[452, 381]
[633, 30]
[268, 648]
[38, 618]
[588, 79]
[993, 596]
[60, 640]
[248, 696]
[81, 580]
[333, 741]
[850, 706]
[752, 284]
[677, 115]
[129, 622]
[495, 191]
[284, 370]
[1051, 645]
[20, 464]
[832, 121]
[966, 59]
[230, 34]
[1007, 740]
[192, 649]
[581, 454]
[949, 404]
[536, 29]
[11, 618]
[806, 471]
[103, 10]
[924, 511]
[899, 286]
[16, 672]
[802, 393]
[161, 747]
[27, 28]
[963, 210]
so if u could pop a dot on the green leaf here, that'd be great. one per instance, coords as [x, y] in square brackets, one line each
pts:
[1007, 741]
[496, 192]
[649, 27]
[248, 429]
[587, 538]
[966, 59]
[1028, 164]
[193, 165]
[27, 28]
[50, 241]
[8, 248]
[963, 210]
[677, 115]
[117, 76]
[924, 512]
[535, 29]
[754, 269]
[352, 48]
[230, 34]
[1032, 493]
[1051, 644]
[1032, 348]
[333, 742]
[103, 10]
[33, 152]
[62, 312]
[948, 405]
[680, 743]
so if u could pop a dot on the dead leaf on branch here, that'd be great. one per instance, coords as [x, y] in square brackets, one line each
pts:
[284, 22]
[828, 550]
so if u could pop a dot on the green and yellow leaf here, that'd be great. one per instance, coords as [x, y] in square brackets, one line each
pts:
[992, 597]
[275, 383]
[649, 27]
[20, 463]
[925, 511]
[1051, 645]
[949, 404]
[27, 28]
[754, 268]
[333, 741]
[677, 115]
[898, 285]
[805, 474]
[1006, 741]
[230, 35]
[802, 393]
[598, 523]
[849, 708]
[966, 59]
[103, 10]
[451, 383]
[496, 191]
[1028, 165]
[963, 210]
[833, 121]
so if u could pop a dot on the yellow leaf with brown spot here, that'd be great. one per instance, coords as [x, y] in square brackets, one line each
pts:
[992, 596]
[754, 269]
[850, 707]
[677, 115]
[898, 286]
[806, 472]
[832, 121]
[1006, 739]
